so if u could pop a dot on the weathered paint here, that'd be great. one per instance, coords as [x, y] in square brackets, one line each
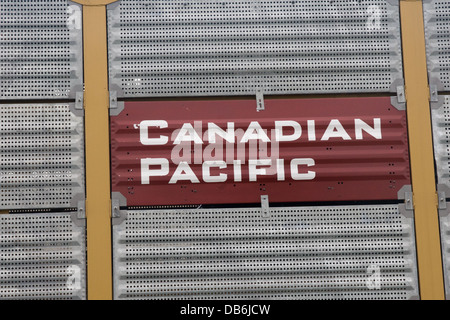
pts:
[329, 157]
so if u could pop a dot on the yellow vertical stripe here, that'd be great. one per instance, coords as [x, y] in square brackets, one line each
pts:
[98, 203]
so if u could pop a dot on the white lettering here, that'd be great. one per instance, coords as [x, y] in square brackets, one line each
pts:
[184, 173]
[279, 125]
[145, 140]
[214, 130]
[146, 173]
[374, 132]
[187, 133]
[280, 170]
[311, 130]
[255, 132]
[254, 172]
[310, 175]
[222, 177]
[237, 170]
[335, 130]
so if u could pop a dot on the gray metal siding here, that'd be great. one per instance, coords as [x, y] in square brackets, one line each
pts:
[41, 156]
[445, 240]
[441, 140]
[295, 253]
[213, 48]
[43, 256]
[40, 49]
[437, 36]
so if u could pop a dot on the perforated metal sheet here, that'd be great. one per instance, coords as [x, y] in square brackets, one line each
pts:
[40, 49]
[209, 47]
[441, 138]
[43, 256]
[437, 36]
[345, 252]
[445, 240]
[41, 156]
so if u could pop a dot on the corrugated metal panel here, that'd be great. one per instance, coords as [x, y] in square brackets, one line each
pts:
[210, 48]
[445, 240]
[441, 138]
[41, 156]
[437, 36]
[344, 252]
[40, 49]
[365, 168]
[43, 256]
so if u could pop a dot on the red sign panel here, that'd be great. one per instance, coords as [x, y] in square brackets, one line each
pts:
[225, 151]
